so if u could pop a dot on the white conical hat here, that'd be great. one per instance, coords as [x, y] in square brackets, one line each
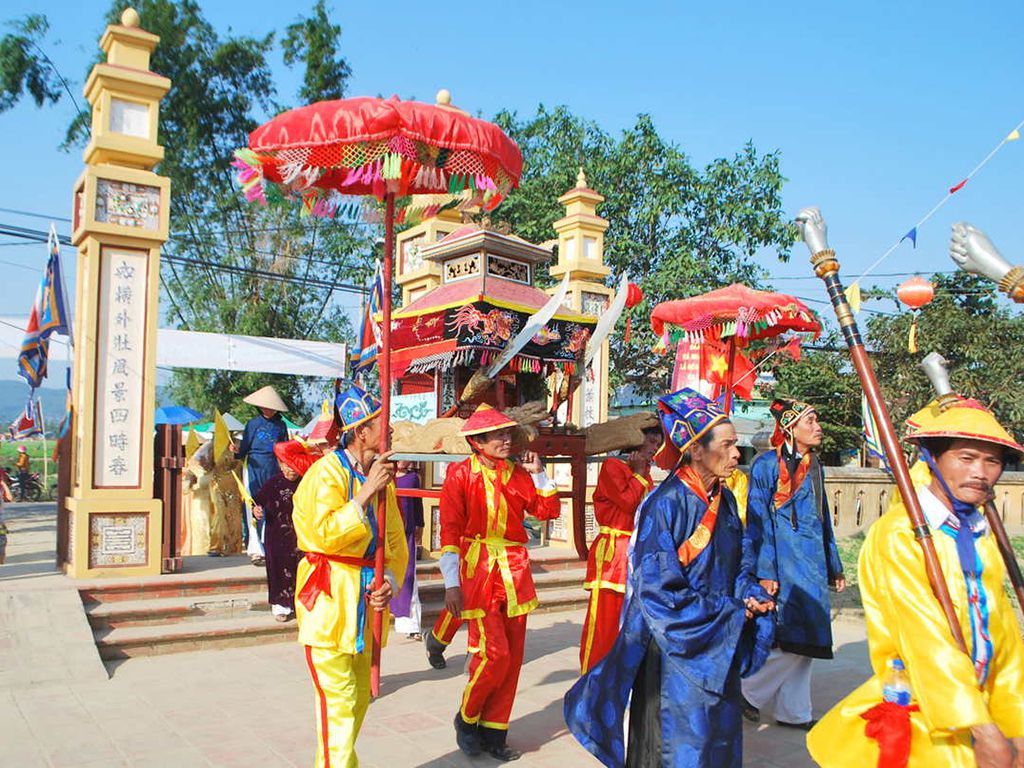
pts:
[267, 398]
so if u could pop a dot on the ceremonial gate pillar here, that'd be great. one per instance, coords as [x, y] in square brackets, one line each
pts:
[120, 222]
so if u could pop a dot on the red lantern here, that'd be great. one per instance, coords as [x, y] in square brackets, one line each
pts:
[634, 295]
[915, 293]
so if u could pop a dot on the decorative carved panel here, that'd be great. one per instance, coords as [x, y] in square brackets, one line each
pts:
[462, 267]
[508, 269]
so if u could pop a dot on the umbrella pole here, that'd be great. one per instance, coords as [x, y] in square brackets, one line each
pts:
[729, 374]
[384, 373]
[826, 266]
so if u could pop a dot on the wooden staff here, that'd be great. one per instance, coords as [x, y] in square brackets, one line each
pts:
[384, 369]
[826, 266]
[934, 367]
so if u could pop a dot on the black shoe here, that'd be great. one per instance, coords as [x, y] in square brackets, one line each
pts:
[467, 736]
[493, 742]
[799, 726]
[435, 651]
[750, 712]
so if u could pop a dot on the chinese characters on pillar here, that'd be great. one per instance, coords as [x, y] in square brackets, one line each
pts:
[121, 350]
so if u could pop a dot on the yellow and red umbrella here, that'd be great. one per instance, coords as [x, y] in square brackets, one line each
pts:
[735, 312]
[416, 158]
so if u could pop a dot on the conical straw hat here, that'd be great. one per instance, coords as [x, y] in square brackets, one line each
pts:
[267, 398]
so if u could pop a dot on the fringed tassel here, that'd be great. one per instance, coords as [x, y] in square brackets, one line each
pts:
[912, 336]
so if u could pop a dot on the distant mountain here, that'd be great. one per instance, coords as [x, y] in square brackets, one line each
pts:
[12, 402]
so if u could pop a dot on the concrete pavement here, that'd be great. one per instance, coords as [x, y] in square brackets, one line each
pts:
[254, 706]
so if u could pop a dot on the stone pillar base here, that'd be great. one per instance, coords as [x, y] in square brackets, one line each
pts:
[110, 538]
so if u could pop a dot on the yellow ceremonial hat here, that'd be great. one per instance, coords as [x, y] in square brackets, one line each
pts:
[966, 419]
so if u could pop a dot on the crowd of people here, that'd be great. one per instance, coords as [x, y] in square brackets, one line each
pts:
[697, 618]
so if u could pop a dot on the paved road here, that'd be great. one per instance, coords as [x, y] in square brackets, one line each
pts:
[253, 706]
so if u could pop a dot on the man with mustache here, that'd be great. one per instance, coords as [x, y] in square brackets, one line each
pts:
[695, 620]
[965, 709]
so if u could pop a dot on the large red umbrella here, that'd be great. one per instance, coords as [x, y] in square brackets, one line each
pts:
[736, 312]
[414, 157]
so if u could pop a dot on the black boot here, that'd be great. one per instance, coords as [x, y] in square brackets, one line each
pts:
[750, 712]
[435, 651]
[493, 742]
[467, 736]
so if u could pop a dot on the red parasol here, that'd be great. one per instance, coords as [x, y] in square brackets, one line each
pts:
[393, 150]
[737, 312]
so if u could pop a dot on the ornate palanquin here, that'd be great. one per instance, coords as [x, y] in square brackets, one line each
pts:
[485, 297]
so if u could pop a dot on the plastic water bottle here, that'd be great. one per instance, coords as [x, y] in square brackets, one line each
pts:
[896, 687]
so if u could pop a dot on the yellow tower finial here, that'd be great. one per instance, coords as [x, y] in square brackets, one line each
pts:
[581, 179]
[130, 18]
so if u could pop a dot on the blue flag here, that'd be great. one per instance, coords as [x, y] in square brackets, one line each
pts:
[49, 315]
[364, 353]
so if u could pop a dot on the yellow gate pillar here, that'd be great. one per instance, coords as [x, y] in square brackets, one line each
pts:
[120, 221]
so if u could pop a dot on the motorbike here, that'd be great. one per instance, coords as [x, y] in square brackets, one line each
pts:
[33, 490]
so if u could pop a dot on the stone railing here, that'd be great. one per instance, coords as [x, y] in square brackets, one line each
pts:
[858, 496]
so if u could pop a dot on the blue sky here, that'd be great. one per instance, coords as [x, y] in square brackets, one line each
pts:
[877, 108]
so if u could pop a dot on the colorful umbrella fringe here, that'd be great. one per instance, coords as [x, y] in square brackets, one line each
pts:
[475, 358]
[462, 181]
[750, 322]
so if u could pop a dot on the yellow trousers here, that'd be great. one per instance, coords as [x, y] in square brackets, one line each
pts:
[342, 685]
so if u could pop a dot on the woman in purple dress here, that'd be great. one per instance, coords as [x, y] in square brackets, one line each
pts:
[405, 606]
[274, 506]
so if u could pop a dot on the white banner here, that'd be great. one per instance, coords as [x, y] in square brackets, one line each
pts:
[231, 352]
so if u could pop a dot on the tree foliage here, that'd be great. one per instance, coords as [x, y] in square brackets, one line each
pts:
[981, 337]
[24, 68]
[314, 42]
[676, 230]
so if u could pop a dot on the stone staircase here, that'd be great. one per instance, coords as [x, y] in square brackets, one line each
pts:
[190, 612]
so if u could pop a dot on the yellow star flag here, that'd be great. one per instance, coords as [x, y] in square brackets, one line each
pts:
[221, 436]
[191, 443]
[1013, 135]
[853, 297]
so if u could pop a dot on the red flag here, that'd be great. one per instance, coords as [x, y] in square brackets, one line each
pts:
[792, 348]
[714, 362]
[956, 187]
[714, 368]
[743, 376]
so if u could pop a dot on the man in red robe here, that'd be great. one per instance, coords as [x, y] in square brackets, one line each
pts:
[486, 569]
[621, 486]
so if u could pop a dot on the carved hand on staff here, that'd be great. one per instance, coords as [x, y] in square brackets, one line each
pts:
[813, 229]
[972, 251]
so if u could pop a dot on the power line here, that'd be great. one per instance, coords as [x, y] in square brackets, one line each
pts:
[41, 237]
[35, 215]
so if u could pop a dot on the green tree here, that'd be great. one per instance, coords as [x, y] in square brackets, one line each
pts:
[24, 67]
[229, 266]
[982, 339]
[314, 42]
[676, 230]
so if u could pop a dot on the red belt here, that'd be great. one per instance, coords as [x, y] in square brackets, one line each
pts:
[320, 579]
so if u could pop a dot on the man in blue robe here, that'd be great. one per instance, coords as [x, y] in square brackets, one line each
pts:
[790, 532]
[262, 433]
[695, 619]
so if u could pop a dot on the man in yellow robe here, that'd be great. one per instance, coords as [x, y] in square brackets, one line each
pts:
[335, 524]
[966, 709]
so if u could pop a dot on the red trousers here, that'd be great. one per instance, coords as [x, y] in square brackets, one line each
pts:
[601, 626]
[446, 626]
[496, 644]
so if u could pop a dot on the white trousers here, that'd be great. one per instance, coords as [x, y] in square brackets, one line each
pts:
[784, 682]
[410, 625]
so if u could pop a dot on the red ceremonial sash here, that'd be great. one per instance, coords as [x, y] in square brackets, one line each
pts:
[787, 485]
[320, 579]
[701, 536]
